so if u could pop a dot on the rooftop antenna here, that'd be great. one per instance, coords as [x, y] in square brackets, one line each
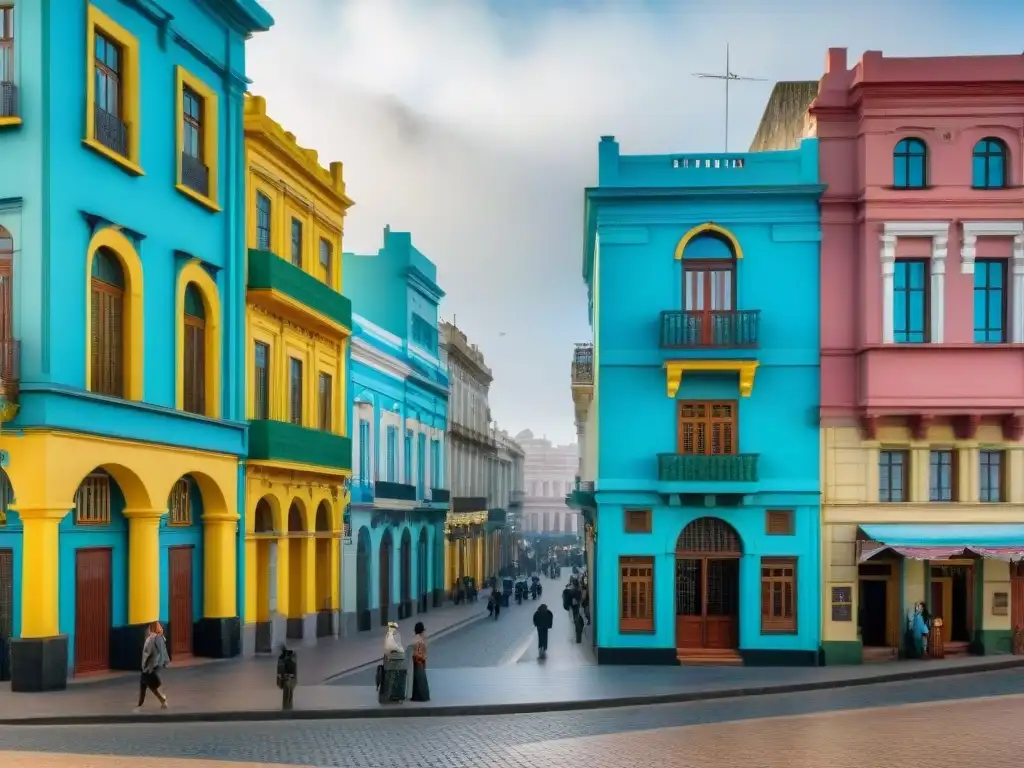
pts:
[729, 76]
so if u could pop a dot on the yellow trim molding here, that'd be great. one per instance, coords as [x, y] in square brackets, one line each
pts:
[674, 370]
[192, 273]
[295, 466]
[708, 227]
[9, 122]
[97, 21]
[302, 314]
[114, 240]
[210, 135]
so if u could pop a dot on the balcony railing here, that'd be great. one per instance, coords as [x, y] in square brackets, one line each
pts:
[717, 329]
[583, 364]
[194, 174]
[10, 370]
[440, 495]
[362, 491]
[384, 489]
[8, 99]
[269, 272]
[469, 503]
[284, 441]
[111, 131]
[688, 468]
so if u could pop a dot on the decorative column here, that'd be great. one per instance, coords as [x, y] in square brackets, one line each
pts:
[888, 259]
[143, 587]
[937, 297]
[218, 634]
[1017, 290]
[39, 658]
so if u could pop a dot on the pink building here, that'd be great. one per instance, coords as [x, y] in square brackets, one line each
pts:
[922, 344]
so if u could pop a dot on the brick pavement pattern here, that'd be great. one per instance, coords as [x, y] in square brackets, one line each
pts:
[948, 734]
[964, 714]
[37, 760]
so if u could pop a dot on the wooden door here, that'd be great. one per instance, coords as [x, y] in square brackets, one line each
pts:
[942, 604]
[180, 603]
[6, 610]
[708, 294]
[1017, 605]
[92, 610]
[707, 603]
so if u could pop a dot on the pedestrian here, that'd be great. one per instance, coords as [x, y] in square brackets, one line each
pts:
[154, 658]
[496, 596]
[420, 688]
[287, 676]
[543, 620]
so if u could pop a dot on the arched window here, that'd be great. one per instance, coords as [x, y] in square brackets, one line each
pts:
[107, 308]
[6, 285]
[709, 294]
[910, 164]
[194, 364]
[989, 164]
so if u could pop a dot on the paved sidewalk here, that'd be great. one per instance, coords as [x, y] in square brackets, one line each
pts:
[242, 683]
[514, 688]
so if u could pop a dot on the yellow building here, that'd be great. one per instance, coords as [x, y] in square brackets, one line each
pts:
[889, 543]
[298, 327]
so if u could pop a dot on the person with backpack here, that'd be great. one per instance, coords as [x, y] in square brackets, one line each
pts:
[543, 620]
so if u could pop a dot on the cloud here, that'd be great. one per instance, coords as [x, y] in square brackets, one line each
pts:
[474, 124]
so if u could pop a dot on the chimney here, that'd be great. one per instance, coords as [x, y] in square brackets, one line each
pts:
[836, 60]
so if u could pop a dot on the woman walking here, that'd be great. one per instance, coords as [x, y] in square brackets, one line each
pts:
[154, 658]
[420, 688]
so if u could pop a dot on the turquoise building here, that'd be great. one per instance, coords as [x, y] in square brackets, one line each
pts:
[697, 407]
[394, 548]
[122, 287]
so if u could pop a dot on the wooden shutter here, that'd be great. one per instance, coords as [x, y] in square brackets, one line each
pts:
[779, 522]
[6, 298]
[638, 521]
[707, 429]
[636, 588]
[325, 404]
[778, 594]
[107, 339]
[295, 392]
[195, 365]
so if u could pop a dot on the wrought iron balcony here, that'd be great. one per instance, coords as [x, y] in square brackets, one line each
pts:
[582, 495]
[717, 329]
[440, 495]
[111, 131]
[469, 503]
[583, 365]
[689, 468]
[194, 174]
[383, 489]
[8, 99]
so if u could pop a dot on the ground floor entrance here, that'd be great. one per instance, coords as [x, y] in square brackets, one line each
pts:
[93, 592]
[707, 590]
[6, 611]
[180, 601]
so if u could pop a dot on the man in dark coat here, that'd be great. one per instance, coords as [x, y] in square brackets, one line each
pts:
[543, 620]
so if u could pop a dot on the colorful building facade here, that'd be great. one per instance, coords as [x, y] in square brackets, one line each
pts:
[922, 324]
[394, 552]
[298, 326]
[696, 402]
[120, 281]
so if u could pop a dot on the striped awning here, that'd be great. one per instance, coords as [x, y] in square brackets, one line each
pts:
[940, 542]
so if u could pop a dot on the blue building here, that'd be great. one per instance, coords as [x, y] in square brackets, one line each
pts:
[697, 405]
[121, 326]
[394, 549]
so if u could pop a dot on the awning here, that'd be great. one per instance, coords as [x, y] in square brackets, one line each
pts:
[939, 542]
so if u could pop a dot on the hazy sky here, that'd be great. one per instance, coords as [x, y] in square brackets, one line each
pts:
[474, 125]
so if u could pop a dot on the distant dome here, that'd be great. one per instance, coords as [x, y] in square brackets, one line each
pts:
[526, 434]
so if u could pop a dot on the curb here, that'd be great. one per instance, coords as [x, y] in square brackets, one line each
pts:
[471, 710]
[461, 624]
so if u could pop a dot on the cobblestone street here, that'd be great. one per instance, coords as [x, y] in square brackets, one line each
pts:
[882, 725]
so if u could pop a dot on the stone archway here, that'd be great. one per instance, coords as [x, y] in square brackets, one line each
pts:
[387, 547]
[270, 627]
[707, 581]
[324, 571]
[364, 557]
[422, 570]
[405, 575]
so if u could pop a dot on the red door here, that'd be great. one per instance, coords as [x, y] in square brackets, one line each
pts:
[709, 298]
[180, 602]
[92, 610]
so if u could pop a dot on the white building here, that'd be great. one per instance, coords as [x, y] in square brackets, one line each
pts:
[550, 475]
